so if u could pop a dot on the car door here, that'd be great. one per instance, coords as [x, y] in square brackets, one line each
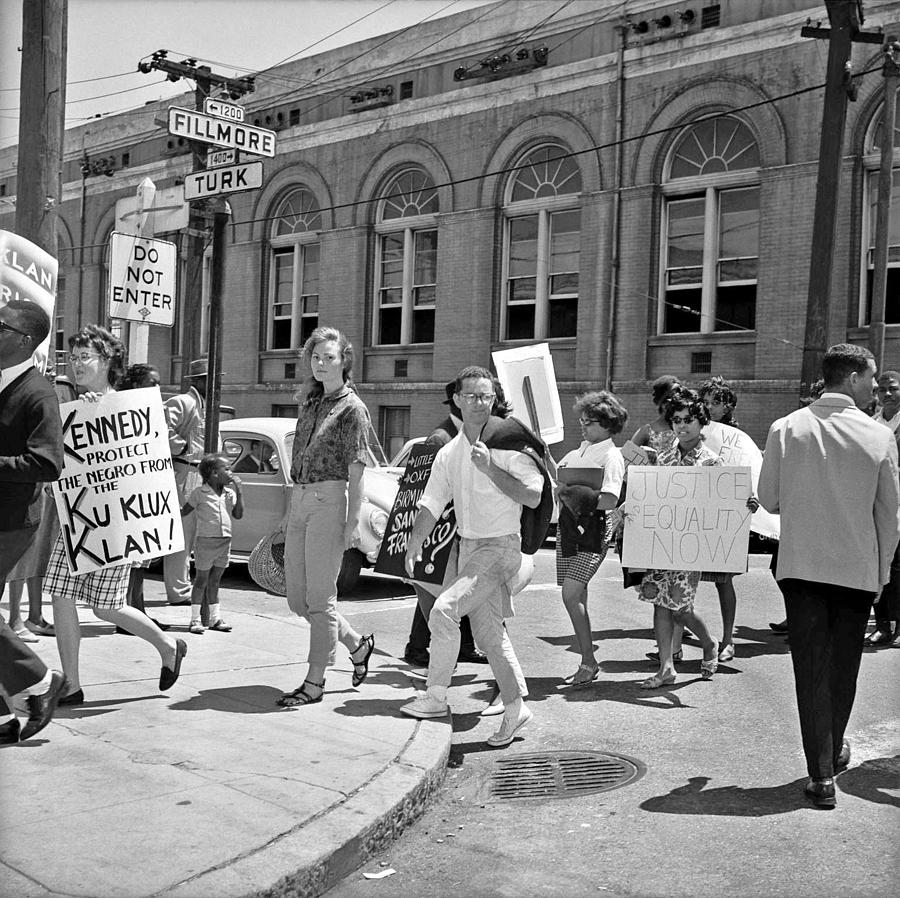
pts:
[261, 465]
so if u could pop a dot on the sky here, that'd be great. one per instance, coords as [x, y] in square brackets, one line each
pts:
[109, 37]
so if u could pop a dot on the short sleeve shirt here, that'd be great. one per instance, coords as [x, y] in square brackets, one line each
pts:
[213, 510]
[332, 434]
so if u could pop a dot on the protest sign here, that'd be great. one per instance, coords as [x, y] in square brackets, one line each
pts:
[734, 447]
[529, 381]
[27, 272]
[687, 519]
[436, 550]
[634, 454]
[116, 496]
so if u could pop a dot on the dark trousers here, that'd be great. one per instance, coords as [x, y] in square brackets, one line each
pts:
[19, 666]
[826, 625]
[887, 605]
[420, 635]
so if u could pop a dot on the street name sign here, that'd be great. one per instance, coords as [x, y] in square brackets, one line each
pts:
[222, 132]
[231, 179]
[142, 279]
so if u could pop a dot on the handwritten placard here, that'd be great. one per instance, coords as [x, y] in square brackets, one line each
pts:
[436, 549]
[634, 454]
[116, 496]
[687, 519]
[734, 447]
[529, 381]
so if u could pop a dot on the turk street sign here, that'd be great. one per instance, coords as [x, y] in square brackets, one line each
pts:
[229, 179]
[221, 131]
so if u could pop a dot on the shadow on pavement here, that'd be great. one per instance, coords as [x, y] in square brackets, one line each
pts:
[252, 699]
[729, 801]
[871, 780]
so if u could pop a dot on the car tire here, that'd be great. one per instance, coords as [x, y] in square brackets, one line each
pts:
[351, 564]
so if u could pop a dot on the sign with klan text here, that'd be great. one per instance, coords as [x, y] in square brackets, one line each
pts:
[116, 496]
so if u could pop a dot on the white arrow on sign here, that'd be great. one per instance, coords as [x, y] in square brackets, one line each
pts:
[222, 132]
[230, 179]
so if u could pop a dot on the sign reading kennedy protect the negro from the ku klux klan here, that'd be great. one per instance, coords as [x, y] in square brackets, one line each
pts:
[116, 496]
[687, 519]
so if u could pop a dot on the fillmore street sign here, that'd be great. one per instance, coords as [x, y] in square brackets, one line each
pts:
[222, 132]
[230, 179]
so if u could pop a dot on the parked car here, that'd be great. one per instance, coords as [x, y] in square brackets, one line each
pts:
[259, 450]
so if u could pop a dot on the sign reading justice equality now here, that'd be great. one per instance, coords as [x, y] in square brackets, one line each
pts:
[222, 132]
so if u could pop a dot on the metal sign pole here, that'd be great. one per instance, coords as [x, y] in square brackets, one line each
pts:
[214, 350]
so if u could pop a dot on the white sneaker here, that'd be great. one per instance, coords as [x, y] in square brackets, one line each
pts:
[425, 706]
[508, 729]
[196, 627]
[495, 707]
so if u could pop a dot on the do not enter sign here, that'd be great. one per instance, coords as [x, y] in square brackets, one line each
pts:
[142, 279]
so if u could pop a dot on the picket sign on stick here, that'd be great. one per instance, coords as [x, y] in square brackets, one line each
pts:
[734, 447]
[687, 519]
[116, 496]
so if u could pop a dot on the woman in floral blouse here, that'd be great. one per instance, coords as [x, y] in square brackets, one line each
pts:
[330, 452]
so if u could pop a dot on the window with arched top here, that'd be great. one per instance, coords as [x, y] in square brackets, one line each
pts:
[872, 163]
[710, 245]
[406, 263]
[294, 270]
[542, 241]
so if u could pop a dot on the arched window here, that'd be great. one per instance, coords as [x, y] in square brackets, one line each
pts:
[406, 265]
[710, 246]
[294, 270]
[542, 240]
[872, 162]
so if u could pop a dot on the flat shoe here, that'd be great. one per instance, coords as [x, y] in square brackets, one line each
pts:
[495, 706]
[657, 681]
[168, 676]
[585, 674]
[727, 654]
[26, 635]
[361, 668]
[878, 637]
[677, 657]
[300, 696]
[73, 698]
[221, 626]
[41, 629]
[507, 733]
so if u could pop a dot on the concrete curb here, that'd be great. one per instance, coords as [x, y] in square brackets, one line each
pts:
[308, 860]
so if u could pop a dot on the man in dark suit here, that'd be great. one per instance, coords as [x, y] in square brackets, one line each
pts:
[831, 472]
[31, 454]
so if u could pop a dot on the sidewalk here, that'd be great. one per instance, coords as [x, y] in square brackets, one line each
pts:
[211, 790]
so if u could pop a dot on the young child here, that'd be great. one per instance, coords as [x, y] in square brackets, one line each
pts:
[215, 502]
[672, 592]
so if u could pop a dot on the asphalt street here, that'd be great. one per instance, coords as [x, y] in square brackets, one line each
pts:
[719, 809]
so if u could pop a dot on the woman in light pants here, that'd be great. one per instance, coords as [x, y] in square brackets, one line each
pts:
[330, 450]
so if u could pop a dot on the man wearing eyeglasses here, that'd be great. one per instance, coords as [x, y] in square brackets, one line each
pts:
[31, 454]
[488, 488]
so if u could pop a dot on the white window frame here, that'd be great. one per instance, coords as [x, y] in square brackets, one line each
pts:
[709, 187]
[407, 227]
[299, 242]
[543, 208]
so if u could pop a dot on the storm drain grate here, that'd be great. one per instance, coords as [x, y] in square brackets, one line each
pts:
[561, 774]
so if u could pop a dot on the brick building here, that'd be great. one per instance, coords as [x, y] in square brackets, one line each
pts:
[636, 190]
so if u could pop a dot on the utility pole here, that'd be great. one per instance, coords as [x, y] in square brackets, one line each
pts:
[845, 17]
[891, 72]
[42, 121]
[204, 79]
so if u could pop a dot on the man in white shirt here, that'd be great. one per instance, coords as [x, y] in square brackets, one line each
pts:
[488, 488]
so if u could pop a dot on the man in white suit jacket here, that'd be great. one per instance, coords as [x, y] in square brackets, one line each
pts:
[831, 472]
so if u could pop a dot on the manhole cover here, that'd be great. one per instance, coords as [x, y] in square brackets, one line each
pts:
[561, 774]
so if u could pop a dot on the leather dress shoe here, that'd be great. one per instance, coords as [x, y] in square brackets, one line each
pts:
[821, 792]
[472, 656]
[41, 707]
[879, 637]
[842, 761]
[419, 658]
[9, 732]
[73, 698]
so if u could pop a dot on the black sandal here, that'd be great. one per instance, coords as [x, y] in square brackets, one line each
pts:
[300, 696]
[361, 668]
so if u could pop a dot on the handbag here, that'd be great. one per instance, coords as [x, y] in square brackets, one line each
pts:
[266, 564]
